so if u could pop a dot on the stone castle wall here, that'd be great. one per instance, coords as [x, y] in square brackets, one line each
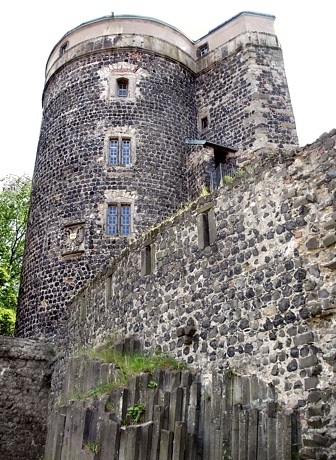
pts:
[25, 385]
[243, 278]
[238, 86]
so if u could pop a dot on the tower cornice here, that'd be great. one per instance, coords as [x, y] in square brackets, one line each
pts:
[157, 37]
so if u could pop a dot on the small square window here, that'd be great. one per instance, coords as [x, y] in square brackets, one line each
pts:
[63, 48]
[203, 50]
[119, 219]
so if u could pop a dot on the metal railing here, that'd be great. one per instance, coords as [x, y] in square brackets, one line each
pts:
[222, 174]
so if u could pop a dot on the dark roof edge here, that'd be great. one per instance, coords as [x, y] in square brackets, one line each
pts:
[210, 144]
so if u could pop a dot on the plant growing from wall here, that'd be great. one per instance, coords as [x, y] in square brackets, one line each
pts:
[93, 446]
[152, 384]
[227, 179]
[239, 172]
[205, 190]
[101, 389]
[132, 364]
[229, 373]
[136, 412]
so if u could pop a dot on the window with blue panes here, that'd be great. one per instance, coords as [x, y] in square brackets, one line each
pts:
[119, 151]
[122, 87]
[119, 219]
[125, 152]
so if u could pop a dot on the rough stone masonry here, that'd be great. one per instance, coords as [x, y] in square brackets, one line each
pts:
[258, 297]
[242, 278]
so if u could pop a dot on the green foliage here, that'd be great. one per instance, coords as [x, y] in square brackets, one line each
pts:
[136, 412]
[7, 321]
[101, 389]
[132, 364]
[93, 446]
[229, 373]
[128, 365]
[227, 179]
[8, 293]
[239, 172]
[14, 205]
[109, 406]
[295, 455]
[152, 384]
[205, 190]
[76, 393]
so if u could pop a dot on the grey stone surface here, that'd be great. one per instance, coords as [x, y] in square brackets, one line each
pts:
[229, 417]
[24, 393]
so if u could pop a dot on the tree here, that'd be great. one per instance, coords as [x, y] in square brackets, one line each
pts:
[14, 205]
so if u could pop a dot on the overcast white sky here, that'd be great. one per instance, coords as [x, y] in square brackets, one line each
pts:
[30, 29]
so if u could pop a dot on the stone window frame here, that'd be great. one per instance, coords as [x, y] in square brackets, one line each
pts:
[109, 287]
[118, 203]
[123, 151]
[206, 226]
[203, 122]
[114, 84]
[148, 259]
[120, 136]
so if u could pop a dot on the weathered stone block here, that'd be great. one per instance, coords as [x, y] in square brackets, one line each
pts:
[329, 240]
[310, 383]
[303, 339]
[309, 361]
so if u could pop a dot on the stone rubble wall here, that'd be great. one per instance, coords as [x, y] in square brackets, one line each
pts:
[260, 298]
[24, 392]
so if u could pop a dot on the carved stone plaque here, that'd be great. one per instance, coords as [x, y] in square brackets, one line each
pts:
[73, 239]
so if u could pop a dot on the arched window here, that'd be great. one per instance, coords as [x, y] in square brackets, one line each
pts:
[122, 84]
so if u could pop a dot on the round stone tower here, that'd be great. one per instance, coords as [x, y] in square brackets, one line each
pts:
[118, 103]
[122, 94]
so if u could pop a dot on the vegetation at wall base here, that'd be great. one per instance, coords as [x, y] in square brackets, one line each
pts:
[127, 365]
[92, 446]
[132, 364]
